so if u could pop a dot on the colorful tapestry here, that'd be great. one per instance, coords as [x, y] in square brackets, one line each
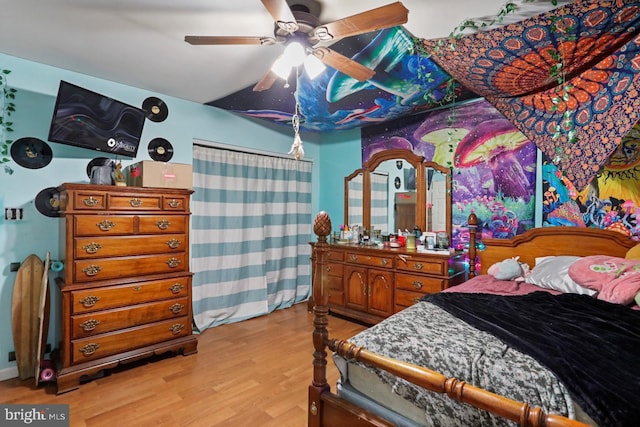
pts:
[513, 68]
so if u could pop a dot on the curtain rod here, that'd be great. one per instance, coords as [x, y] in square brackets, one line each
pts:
[212, 144]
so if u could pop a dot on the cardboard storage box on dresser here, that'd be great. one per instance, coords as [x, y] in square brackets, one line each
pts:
[148, 173]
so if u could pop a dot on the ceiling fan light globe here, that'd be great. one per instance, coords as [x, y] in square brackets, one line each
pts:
[294, 54]
[313, 66]
[281, 67]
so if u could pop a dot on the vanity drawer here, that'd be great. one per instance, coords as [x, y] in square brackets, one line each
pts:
[107, 297]
[335, 255]
[416, 283]
[332, 269]
[101, 225]
[98, 247]
[89, 324]
[370, 260]
[405, 299]
[90, 270]
[86, 349]
[427, 266]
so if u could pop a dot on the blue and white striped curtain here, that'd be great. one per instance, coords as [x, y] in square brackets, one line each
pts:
[379, 201]
[251, 229]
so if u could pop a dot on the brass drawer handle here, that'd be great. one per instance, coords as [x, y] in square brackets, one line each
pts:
[173, 262]
[137, 288]
[89, 349]
[385, 261]
[89, 325]
[418, 266]
[92, 270]
[176, 328]
[418, 284]
[163, 224]
[90, 201]
[327, 269]
[176, 288]
[89, 301]
[173, 203]
[173, 243]
[353, 257]
[106, 225]
[176, 308]
[135, 202]
[416, 300]
[92, 247]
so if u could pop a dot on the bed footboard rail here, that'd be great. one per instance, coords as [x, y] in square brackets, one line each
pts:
[519, 412]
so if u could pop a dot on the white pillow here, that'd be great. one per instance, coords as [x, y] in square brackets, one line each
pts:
[552, 272]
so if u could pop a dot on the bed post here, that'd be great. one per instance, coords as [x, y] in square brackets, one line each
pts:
[322, 228]
[472, 222]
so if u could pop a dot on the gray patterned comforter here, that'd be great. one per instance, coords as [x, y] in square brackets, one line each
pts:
[428, 336]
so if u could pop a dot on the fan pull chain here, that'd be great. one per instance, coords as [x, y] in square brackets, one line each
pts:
[296, 148]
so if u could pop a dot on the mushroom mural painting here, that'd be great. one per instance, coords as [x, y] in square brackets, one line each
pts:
[494, 164]
[610, 201]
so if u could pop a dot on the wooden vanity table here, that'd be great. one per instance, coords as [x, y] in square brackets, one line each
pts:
[370, 283]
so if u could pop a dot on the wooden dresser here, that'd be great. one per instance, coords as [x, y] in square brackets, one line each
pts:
[126, 292]
[370, 283]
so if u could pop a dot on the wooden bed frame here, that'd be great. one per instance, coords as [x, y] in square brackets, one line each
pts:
[326, 409]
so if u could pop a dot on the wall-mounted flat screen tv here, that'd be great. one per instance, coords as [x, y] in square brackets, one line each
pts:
[86, 119]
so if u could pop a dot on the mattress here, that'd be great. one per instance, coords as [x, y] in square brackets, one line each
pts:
[455, 349]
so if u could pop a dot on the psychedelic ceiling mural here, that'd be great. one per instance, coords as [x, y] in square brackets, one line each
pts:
[406, 83]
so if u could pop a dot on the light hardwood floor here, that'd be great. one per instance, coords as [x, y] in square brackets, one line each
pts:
[253, 373]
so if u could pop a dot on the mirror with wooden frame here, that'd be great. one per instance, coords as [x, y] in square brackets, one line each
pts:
[395, 190]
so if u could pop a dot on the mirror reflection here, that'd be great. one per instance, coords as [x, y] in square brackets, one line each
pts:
[436, 206]
[354, 187]
[397, 190]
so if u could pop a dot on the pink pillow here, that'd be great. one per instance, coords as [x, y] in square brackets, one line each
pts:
[617, 280]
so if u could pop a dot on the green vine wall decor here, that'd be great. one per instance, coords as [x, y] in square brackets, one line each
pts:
[7, 107]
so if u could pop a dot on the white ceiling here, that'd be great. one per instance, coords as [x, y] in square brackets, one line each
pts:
[141, 42]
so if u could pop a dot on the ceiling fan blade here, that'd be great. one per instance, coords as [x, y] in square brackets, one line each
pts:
[387, 16]
[229, 40]
[343, 64]
[266, 82]
[282, 15]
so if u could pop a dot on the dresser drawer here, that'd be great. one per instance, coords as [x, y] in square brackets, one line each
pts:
[89, 300]
[102, 225]
[155, 224]
[89, 200]
[127, 202]
[99, 247]
[175, 203]
[428, 266]
[86, 349]
[90, 270]
[417, 283]
[89, 324]
[370, 260]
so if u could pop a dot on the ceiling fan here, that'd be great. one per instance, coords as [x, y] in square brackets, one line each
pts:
[298, 28]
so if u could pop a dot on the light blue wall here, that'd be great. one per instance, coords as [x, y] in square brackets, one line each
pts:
[340, 155]
[37, 87]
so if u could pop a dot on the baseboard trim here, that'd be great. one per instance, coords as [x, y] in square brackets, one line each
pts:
[8, 373]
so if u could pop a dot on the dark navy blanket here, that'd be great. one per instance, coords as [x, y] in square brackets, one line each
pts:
[592, 346]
